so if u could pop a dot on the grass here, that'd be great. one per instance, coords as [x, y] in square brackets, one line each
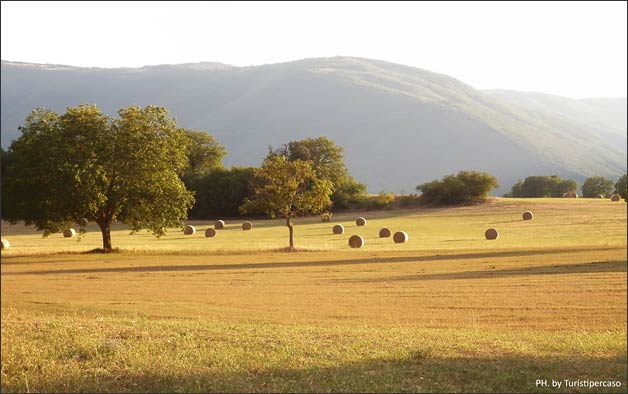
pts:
[446, 312]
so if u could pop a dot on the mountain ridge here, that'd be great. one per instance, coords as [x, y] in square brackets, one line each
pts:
[419, 124]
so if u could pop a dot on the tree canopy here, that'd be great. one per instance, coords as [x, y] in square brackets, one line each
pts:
[597, 185]
[327, 160]
[85, 164]
[204, 153]
[464, 187]
[543, 186]
[287, 189]
[621, 187]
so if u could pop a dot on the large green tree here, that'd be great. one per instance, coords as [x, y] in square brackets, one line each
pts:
[85, 164]
[621, 187]
[327, 160]
[204, 153]
[287, 189]
[597, 185]
[464, 187]
[543, 186]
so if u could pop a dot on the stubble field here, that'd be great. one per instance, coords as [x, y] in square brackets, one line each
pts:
[447, 311]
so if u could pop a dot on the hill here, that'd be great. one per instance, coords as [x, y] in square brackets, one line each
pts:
[399, 125]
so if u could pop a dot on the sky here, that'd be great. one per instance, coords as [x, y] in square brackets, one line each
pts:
[571, 49]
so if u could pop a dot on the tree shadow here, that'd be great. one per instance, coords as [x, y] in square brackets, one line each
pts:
[562, 269]
[358, 260]
[421, 370]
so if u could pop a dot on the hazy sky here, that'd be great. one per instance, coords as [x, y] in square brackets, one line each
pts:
[572, 49]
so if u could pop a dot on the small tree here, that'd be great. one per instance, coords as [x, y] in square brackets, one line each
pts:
[597, 185]
[204, 153]
[84, 164]
[464, 187]
[287, 189]
[327, 161]
[621, 187]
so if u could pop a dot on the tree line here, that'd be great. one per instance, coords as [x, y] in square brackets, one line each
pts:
[141, 169]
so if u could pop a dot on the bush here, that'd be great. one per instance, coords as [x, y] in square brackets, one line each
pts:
[219, 193]
[543, 186]
[597, 185]
[465, 187]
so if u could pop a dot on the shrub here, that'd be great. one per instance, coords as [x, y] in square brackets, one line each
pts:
[543, 186]
[597, 185]
[465, 187]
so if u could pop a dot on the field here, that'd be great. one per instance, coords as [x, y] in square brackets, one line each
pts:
[446, 312]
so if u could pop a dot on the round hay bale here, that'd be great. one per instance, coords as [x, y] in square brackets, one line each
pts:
[400, 237]
[247, 226]
[360, 221]
[5, 244]
[528, 215]
[69, 233]
[210, 232]
[615, 197]
[189, 230]
[219, 225]
[83, 222]
[338, 229]
[356, 241]
[600, 196]
[491, 233]
[384, 232]
[570, 195]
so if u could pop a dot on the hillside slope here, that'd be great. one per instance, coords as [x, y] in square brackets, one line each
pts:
[399, 125]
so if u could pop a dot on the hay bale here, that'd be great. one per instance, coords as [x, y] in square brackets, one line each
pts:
[384, 232]
[82, 222]
[600, 196]
[491, 233]
[360, 221]
[219, 225]
[400, 237]
[189, 230]
[615, 197]
[570, 195]
[356, 241]
[69, 233]
[338, 229]
[528, 215]
[210, 232]
[5, 244]
[247, 226]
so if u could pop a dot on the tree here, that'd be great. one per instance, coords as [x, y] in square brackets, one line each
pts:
[597, 185]
[621, 187]
[464, 187]
[84, 164]
[327, 161]
[204, 153]
[543, 186]
[287, 189]
[221, 192]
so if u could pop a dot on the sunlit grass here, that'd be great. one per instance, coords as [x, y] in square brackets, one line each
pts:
[449, 311]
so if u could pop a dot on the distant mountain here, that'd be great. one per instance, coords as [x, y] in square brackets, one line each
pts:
[399, 125]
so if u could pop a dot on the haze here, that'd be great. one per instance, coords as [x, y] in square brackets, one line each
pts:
[570, 49]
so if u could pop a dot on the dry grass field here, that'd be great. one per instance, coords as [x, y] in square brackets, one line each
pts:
[446, 312]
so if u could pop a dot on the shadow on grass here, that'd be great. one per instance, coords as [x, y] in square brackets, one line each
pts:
[420, 371]
[616, 266]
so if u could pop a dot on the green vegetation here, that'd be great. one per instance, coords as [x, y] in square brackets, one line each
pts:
[464, 187]
[597, 185]
[622, 186]
[220, 192]
[204, 153]
[543, 186]
[447, 311]
[84, 164]
[327, 161]
[288, 189]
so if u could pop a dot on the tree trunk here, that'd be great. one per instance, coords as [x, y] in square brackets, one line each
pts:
[105, 229]
[291, 228]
